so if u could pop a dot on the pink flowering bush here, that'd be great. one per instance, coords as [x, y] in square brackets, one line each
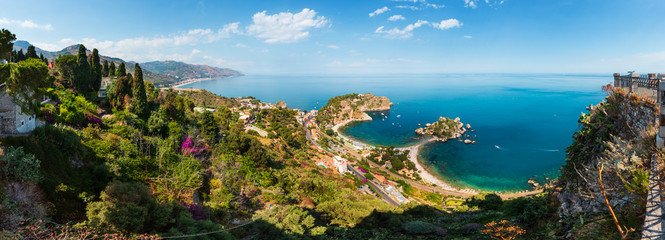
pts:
[189, 147]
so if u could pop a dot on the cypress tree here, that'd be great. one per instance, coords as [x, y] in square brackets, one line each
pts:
[20, 56]
[105, 68]
[96, 70]
[82, 76]
[140, 103]
[6, 44]
[112, 69]
[31, 53]
[121, 72]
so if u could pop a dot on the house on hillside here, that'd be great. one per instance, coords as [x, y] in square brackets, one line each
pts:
[341, 164]
[12, 120]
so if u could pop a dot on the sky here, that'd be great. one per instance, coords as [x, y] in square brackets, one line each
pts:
[357, 36]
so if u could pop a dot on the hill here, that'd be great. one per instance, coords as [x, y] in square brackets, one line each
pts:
[181, 70]
[161, 73]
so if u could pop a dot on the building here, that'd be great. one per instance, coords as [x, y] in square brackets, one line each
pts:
[201, 109]
[396, 195]
[341, 164]
[244, 118]
[12, 120]
[379, 178]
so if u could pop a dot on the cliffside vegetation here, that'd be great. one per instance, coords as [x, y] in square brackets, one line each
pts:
[351, 106]
[142, 164]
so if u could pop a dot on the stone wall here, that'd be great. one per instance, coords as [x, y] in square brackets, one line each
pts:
[12, 119]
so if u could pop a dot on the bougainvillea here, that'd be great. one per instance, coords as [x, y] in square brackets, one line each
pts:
[189, 147]
[198, 212]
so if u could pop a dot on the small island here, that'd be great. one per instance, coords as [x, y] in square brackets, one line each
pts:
[444, 129]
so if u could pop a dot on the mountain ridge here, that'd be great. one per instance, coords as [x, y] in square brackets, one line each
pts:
[161, 73]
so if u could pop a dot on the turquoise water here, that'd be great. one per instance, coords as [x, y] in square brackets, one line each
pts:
[522, 122]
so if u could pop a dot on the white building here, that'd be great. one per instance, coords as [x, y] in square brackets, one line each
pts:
[341, 164]
[12, 119]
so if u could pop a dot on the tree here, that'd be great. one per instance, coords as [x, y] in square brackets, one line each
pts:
[209, 127]
[140, 102]
[6, 44]
[25, 81]
[19, 56]
[120, 92]
[105, 68]
[95, 70]
[66, 66]
[112, 69]
[31, 53]
[121, 72]
[19, 166]
[82, 74]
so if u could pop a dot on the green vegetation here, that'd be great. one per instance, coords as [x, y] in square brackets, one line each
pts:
[142, 163]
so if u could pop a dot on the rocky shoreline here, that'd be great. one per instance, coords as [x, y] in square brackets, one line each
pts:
[445, 129]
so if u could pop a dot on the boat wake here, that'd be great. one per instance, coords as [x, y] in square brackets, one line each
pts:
[549, 150]
[500, 148]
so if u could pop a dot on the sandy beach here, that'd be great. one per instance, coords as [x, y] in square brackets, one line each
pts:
[188, 81]
[413, 157]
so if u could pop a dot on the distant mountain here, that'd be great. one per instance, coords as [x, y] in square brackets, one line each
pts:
[161, 73]
[181, 70]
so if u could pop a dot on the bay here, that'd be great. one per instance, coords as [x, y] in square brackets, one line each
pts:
[522, 122]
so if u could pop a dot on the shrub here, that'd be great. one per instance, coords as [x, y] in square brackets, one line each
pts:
[418, 227]
[19, 166]
[485, 201]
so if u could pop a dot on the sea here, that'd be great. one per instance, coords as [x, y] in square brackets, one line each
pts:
[522, 123]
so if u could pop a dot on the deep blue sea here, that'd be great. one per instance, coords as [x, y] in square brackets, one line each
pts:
[523, 122]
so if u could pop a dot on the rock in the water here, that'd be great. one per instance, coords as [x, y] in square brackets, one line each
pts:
[467, 141]
[468, 126]
[473, 142]
[533, 182]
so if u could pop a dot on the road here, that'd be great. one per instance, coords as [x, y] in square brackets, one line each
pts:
[376, 186]
[261, 132]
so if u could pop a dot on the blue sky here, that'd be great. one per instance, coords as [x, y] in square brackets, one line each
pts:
[359, 36]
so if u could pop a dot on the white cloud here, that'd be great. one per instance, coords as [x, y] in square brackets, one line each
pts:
[435, 6]
[408, 7]
[405, 33]
[285, 27]
[467, 36]
[333, 46]
[47, 46]
[447, 24]
[25, 24]
[396, 18]
[470, 3]
[379, 11]
[241, 45]
[422, 3]
[474, 3]
[150, 49]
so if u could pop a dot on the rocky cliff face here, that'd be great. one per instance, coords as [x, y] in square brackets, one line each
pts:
[351, 107]
[619, 136]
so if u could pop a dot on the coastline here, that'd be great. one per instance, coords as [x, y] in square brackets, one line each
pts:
[195, 80]
[425, 175]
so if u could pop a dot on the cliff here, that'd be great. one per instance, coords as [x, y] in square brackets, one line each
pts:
[351, 107]
[618, 137]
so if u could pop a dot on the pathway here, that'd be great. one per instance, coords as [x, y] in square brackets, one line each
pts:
[653, 221]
